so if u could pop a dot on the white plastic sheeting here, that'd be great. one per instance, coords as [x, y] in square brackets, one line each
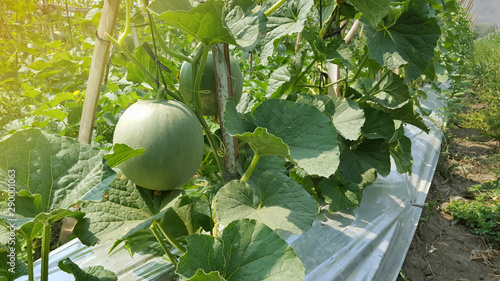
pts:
[139, 267]
[368, 243]
[371, 242]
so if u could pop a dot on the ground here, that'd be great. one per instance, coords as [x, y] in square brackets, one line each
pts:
[442, 248]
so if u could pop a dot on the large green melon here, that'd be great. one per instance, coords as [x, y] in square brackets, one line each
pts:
[208, 95]
[172, 136]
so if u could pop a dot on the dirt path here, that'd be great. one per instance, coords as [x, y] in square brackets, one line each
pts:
[443, 249]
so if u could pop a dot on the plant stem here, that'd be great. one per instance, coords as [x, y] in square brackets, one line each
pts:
[250, 169]
[336, 82]
[346, 83]
[159, 94]
[176, 95]
[307, 86]
[358, 71]
[213, 144]
[171, 239]
[45, 251]
[274, 8]
[29, 253]
[370, 93]
[199, 75]
[197, 53]
[127, 23]
[379, 82]
[156, 233]
[304, 72]
[166, 49]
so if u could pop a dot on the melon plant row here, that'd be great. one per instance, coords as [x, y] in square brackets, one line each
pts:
[166, 186]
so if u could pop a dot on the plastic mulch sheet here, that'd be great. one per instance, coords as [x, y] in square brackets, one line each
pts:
[371, 242]
[368, 243]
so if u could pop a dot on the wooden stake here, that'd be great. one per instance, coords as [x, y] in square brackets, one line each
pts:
[97, 68]
[222, 65]
[333, 69]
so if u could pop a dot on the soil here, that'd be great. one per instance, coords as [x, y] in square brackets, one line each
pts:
[442, 248]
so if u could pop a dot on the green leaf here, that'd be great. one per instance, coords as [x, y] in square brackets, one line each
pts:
[179, 220]
[409, 41]
[236, 123]
[307, 181]
[30, 217]
[280, 78]
[244, 22]
[284, 77]
[373, 10]
[364, 85]
[92, 273]
[55, 113]
[248, 250]
[360, 164]
[263, 143]
[288, 19]
[202, 276]
[406, 112]
[122, 152]
[340, 195]
[203, 252]
[348, 118]
[161, 6]
[394, 87]
[59, 171]
[279, 202]
[124, 210]
[309, 134]
[25, 227]
[328, 50]
[141, 241]
[400, 149]
[322, 102]
[378, 124]
[204, 22]
[135, 74]
[10, 270]
[57, 99]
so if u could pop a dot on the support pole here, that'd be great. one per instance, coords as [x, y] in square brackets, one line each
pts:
[333, 69]
[222, 65]
[97, 69]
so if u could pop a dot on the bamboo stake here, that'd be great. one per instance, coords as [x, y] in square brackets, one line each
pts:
[333, 76]
[333, 69]
[354, 29]
[97, 67]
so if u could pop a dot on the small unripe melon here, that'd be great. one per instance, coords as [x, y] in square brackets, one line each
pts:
[208, 94]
